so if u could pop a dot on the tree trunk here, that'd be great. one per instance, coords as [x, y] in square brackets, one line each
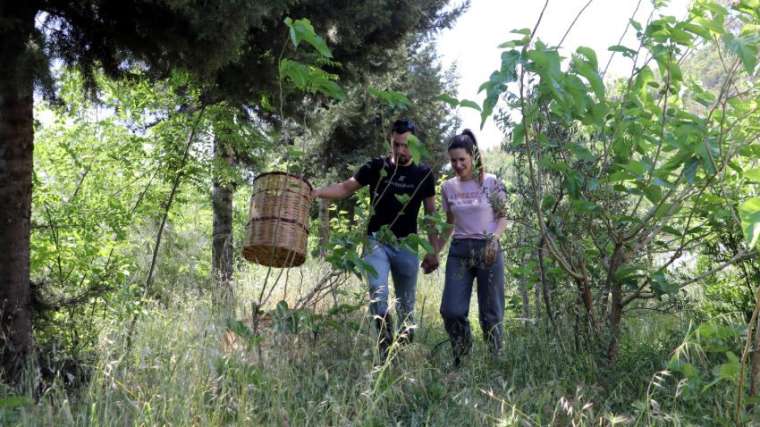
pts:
[324, 226]
[616, 302]
[16, 149]
[616, 315]
[525, 299]
[349, 206]
[545, 285]
[222, 249]
[586, 298]
[754, 363]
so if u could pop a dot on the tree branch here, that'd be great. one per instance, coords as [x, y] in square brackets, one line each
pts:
[175, 185]
[742, 256]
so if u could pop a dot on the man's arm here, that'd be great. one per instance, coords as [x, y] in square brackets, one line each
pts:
[337, 191]
[432, 235]
[430, 263]
[446, 233]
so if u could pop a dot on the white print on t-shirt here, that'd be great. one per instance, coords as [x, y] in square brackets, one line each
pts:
[402, 185]
[467, 198]
[476, 207]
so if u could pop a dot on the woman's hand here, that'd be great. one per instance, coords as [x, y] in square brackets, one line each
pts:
[491, 250]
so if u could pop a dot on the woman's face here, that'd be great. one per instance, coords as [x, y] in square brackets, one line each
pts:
[461, 162]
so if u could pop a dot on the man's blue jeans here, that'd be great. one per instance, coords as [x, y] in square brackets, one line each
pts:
[403, 266]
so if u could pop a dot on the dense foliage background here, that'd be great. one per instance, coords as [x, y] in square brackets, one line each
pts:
[632, 249]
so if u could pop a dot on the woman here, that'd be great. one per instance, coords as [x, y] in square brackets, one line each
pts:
[474, 202]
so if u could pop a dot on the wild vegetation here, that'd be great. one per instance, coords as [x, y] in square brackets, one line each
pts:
[633, 293]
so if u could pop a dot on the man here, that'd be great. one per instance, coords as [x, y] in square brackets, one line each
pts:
[392, 180]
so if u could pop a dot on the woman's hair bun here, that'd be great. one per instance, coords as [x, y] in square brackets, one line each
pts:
[471, 135]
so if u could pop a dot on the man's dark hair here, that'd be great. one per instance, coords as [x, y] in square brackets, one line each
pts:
[402, 126]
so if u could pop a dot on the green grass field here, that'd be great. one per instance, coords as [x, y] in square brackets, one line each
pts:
[186, 368]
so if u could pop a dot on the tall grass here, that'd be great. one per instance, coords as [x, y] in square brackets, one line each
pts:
[182, 369]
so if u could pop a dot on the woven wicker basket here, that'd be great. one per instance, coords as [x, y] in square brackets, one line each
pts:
[277, 229]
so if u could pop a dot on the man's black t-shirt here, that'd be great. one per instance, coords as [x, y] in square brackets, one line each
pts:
[416, 181]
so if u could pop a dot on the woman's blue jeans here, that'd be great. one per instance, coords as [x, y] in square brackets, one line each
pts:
[464, 265]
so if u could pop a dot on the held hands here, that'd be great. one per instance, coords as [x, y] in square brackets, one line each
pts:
[430, 263]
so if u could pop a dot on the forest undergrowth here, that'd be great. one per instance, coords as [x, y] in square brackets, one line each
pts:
[186, 366]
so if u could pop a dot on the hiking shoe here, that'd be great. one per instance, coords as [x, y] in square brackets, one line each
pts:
[385, 335]
[406, 336]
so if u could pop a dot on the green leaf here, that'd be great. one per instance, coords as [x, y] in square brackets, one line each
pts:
[675, 71]
[573, 183]
[282, 307]
[581, 152]
[588, 70]
[413, 242]
[626, 51]
[453, 102]
[687, 369]
[627, 272]
[635, 24]
[470, 104]
[714, 26]
[590, 56]
[427, 246]
[705, 98]
[697, 29]
[417, 149]
[403, 198]
[241, 329]
[523, 31]
[730, 370]
[745, 49]
[669, 209]
[690, 170]
[643, 76]
[392, 98]
[553, 165]
[584, 206]
[548, 202]
[497, 82]
[752, 174]
[717, 333]
[302, 30]
[680, 36]
[310, 79]
[636, 167]
[749, 212]
[513, 43]
[653, 193]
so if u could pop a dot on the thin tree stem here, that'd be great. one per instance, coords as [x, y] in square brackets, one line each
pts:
[175, 186]
[572, 24]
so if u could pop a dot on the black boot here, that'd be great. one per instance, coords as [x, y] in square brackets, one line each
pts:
[406, 336]
[385, 335]
[493, 338]
[461, 340]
